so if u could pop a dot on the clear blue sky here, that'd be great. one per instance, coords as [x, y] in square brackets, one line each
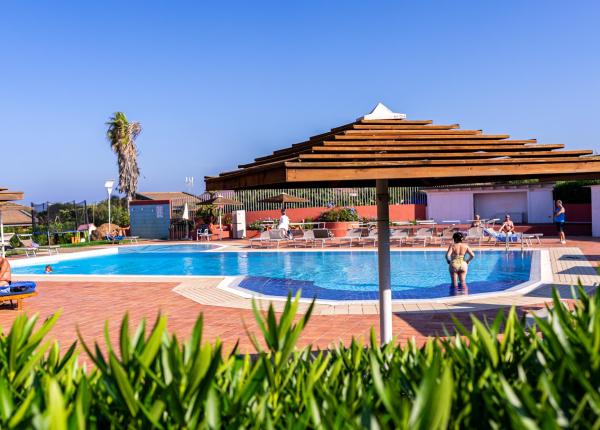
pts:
[215, 84]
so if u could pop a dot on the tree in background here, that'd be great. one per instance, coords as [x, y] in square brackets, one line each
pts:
[98, 213]
[122, 134]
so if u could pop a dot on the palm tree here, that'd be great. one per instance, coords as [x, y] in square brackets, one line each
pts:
[122, 134]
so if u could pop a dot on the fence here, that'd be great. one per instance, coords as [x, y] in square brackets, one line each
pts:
[318, 197]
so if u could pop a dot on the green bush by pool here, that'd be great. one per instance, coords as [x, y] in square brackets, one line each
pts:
[546, 376]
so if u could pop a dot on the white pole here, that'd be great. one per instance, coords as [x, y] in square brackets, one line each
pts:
[383, 260]
[109, 217]
[2, 235]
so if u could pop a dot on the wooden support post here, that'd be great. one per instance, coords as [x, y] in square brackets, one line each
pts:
[383, 260]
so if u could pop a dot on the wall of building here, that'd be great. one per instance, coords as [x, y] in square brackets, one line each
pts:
[150, 219]
[595, 210]
[540, 206]
[397, 213]
[497, 204]
[451, 205]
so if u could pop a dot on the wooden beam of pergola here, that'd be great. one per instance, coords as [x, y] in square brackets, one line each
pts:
[407, 153]
[402, 152]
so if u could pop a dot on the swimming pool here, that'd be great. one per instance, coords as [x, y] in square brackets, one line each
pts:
[330, 275]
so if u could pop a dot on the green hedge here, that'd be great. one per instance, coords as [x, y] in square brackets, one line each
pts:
[544, 377]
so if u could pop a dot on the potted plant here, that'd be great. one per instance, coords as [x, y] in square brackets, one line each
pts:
[339, 220]
[253, 229]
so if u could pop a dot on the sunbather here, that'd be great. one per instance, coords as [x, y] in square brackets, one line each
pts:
[508, 226]
[458, 263]
[5, 276]
[477, 222]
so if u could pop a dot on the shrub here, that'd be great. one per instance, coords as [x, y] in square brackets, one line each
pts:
[339, 214]
[546, 376]
[256, 225]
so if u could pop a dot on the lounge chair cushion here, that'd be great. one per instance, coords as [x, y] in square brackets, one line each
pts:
[15, 288]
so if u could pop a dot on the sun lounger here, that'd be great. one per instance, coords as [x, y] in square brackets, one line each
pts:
[527, 238]
[32, 249]
[260, 240]
[475, 234]
[7, 238]
[497, 237]
[114, 238]
[399, 235]
[17, 291]
[277, 237]
[307, 238]
[447, 235]
[322, 236]
[371, 237]
[353, 235]
[424, 234]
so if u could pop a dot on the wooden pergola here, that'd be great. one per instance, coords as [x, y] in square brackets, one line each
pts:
[386, 150]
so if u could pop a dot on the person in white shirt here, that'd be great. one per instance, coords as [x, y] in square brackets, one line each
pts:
[284, 223]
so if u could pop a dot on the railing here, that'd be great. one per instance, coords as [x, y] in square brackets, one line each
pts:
[316, 198]
[320, 197]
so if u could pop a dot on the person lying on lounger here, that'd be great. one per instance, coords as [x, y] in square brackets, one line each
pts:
[5, 277]
[508, 226]
[477, 222]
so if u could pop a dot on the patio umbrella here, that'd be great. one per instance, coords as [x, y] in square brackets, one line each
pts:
[220, 201]
[6, 197]
[284, 198]
[385, 149]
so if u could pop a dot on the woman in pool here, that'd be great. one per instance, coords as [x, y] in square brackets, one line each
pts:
[457, 260]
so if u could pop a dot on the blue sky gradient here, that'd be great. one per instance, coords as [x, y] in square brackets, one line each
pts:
[217, 84]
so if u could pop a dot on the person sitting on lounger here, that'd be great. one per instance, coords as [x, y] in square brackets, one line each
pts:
[477, 222]
[456, 256]
[508, 227]
[5, 276]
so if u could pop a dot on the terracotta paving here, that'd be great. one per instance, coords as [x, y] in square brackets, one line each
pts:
[88, 305]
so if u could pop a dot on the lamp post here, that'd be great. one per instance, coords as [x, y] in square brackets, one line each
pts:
[109, 187]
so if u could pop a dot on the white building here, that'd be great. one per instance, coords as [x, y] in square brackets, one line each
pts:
[526, 203]
[595, 210]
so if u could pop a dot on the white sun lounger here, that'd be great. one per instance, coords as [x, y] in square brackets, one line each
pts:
[31, 248]
[260, 240]
[276, 237]
[352, 236]
[371, 237]
[399, 235]
[424, 234]
[308, 238]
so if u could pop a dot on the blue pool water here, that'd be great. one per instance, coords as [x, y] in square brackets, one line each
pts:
[342, 275]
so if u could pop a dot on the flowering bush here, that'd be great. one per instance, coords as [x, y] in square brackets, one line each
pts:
[339, 215]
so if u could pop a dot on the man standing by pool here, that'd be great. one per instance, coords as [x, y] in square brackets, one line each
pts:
[559, 220]
[284, 223]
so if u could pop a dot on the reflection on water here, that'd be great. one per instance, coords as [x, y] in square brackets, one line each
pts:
[461, 290]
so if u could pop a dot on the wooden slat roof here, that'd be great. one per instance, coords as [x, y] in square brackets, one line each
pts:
[407, 152]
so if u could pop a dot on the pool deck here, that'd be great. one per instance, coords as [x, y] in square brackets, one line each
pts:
[87, 302]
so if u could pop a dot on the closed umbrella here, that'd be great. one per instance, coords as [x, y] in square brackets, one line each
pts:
[186, 216]
[220, 201]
